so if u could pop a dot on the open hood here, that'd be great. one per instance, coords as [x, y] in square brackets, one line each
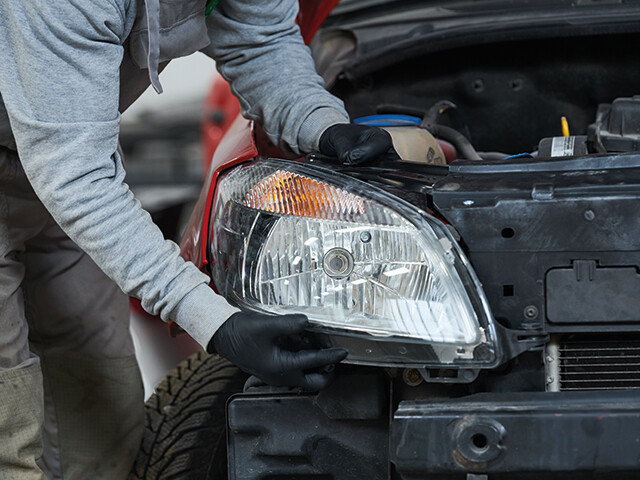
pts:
[379, 33]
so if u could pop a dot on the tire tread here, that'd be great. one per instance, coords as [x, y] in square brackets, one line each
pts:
[185, 420]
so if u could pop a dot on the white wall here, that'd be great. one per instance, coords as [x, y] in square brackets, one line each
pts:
[185, 80]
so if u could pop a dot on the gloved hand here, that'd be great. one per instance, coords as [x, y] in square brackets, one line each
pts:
[354, 144]
[255, 343]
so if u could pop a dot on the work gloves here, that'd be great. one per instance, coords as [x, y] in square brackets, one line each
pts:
[276, 349]
[354, 144]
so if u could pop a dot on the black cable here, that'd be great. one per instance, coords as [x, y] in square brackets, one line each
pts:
[463, 146]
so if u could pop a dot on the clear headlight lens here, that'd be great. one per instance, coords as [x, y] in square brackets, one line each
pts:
[361, 264]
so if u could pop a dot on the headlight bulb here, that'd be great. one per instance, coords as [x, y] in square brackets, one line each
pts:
[338, 263]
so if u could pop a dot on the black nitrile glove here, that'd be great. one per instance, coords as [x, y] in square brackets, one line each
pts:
[354, 144]
[255, 343]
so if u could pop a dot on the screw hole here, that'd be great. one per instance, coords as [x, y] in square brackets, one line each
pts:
[508, 232]
[516, 84]
[531, 312]
[480, 441]
[478, 85]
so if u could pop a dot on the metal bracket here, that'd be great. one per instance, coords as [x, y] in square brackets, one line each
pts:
[462, 375]
[516, 342]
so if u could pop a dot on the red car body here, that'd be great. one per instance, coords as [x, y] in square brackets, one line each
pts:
[228, 139]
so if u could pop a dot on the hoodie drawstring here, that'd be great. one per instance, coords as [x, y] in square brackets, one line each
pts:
[153, 55]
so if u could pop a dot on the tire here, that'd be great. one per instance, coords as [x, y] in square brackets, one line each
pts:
[185, 431]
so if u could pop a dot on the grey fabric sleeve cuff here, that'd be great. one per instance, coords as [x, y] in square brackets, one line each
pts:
[201, 312]
[315, 124]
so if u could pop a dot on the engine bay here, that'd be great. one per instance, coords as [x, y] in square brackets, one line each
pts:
[510, 95]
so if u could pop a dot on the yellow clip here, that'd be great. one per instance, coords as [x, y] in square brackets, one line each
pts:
[565, 126]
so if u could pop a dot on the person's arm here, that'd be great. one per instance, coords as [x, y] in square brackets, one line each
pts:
[59, 81]
[259, 50]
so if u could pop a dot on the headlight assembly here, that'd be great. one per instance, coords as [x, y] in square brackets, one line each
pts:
[372, 272]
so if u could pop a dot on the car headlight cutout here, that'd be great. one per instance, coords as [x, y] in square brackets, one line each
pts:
[372, 272]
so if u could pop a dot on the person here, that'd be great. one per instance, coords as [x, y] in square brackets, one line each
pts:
[75, 242]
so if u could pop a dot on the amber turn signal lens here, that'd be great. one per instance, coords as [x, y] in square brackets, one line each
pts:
[292, 194]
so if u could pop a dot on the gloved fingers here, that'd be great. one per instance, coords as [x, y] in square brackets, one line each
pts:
[331, 144]
[359, 155]
[304, 341]
[371, 144]
[354, 144]
[312, 359]
[284, 325]
[317, 381]
[309, 381]
[342, 146]
[296, 342]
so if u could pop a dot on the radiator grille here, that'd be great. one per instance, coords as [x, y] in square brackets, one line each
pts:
[600, 363]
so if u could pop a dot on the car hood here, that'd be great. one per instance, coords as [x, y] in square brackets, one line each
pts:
[360, 36]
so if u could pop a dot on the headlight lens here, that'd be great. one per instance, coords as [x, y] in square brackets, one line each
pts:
[365, 267]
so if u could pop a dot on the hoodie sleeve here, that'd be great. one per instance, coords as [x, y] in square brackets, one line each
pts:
[259, 50]
[60, 83]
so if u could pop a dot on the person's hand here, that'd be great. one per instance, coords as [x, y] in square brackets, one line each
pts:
[257, 343]
[354, 144]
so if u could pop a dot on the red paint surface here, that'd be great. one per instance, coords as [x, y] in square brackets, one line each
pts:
[136, 306]
[237, 146]
[311, 16]
[219, 111]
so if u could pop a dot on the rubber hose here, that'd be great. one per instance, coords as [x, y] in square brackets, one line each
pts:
[463, 146]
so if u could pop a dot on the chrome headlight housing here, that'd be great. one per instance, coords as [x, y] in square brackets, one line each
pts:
[372, 272]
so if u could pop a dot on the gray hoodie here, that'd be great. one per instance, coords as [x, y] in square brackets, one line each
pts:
[68, 67]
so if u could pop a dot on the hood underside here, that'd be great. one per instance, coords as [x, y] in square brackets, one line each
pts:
[370, 34]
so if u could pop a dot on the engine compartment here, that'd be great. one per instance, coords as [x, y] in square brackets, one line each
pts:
[537, 208]
[512, 94]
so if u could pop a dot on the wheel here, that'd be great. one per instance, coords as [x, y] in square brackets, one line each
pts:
[185, 434]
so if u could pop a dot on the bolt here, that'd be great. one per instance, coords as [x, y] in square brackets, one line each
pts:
[549, 359]
[468, 375]
[589, 215]
[530, 311]
[402, 350]
[365, 237]
[483, 352]
[411, 377]
[468, 203]
[549, 380]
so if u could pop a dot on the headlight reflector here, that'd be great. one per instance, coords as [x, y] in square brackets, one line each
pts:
[289, 238]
